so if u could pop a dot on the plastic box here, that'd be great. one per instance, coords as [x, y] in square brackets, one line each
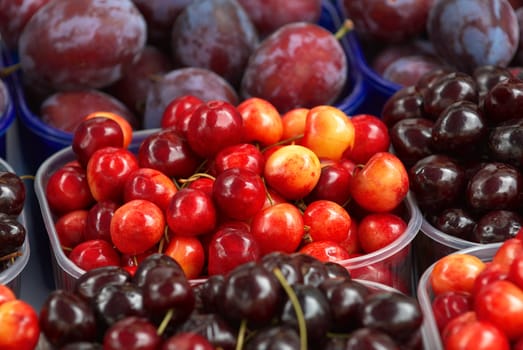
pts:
[391, 265]
[378, 89]
[393, 262]
[45, 140]
[12, 275]
[435, 244]
[430, 333]
[9, 115]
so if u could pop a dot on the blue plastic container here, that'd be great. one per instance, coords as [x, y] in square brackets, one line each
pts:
[378, 89]
[44, 140]
[9, 115]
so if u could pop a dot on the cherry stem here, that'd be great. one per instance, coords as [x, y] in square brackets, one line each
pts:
[166, 319]
[27, 177]
[296, 305]
[241, 335]
[283, 142]
[194, 177]
[6, 71]
[347, 26]
[10, 256]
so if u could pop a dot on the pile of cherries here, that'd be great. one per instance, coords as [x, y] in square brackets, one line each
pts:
[460, 135]
[12, 231]
[283, 301]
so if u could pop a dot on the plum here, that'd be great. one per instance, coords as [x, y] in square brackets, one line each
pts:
[299, 65]
[388, 21]
[200, 82]
[160, 16]
[64, 110]
[14, 15]
[269, 15]
[469, 33]
[77, 44]
[132, 88]
[407, 70]
[216, 35]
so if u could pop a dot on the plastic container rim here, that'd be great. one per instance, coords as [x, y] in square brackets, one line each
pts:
[14, 270]
[446, 239]
[430, 333]
[413, 227]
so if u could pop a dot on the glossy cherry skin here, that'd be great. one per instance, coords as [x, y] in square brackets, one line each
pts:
[261, 120]
[98, 221]
[326, 221]
[213, 126]
[242, 155]
[107, 170]
[278, 228]
[93, 134]
[132, 333]
[448, 305]
[95, 253]
[191, 212]
[186, 341]
[169, 153]
[239, 193]
[65, 317]
[178, 113]
[229, 248]
[503, 101]
[91, 282]
[412, 139]
[137, 226]
[371, 135]
[149, 184]
[67, 189]
[333, 184]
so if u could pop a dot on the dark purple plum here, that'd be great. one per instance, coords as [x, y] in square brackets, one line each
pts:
[199, 82]
[214, 34]
[300, 65]
[488, 36]
[388, 21]
[407, 70]
[80, 44]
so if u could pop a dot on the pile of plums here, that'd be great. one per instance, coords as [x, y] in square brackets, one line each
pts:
[283, 301]
[402, 40]
[460, 136]
[145, 53]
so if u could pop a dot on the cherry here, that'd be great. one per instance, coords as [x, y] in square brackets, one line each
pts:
[213, 126]
[178, 113]
[67, 189]
[89, 284]
[186, 341]
[94, 253]
[239, 193]
[132, 333]
[65, 318]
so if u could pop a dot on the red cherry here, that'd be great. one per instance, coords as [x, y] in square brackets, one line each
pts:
[188, 252]
[137, 226]
[378, 230]
[98, 221]
[178, 113]
[107, 171]
[278, 228]
[243, 155]
[93, 134]
[92, 254]
[149, 184]
[70, 228]
[326, 221]
[191, 212]
[230, 247]
[214, 126]
[371, 135]
[68, 190]
[325, 251]
[239, 193]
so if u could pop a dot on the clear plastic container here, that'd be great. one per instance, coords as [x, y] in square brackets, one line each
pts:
[435, 244]
[45, 140]
[391, 265]
[430, 333]
[65, 272]
[12, 276]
